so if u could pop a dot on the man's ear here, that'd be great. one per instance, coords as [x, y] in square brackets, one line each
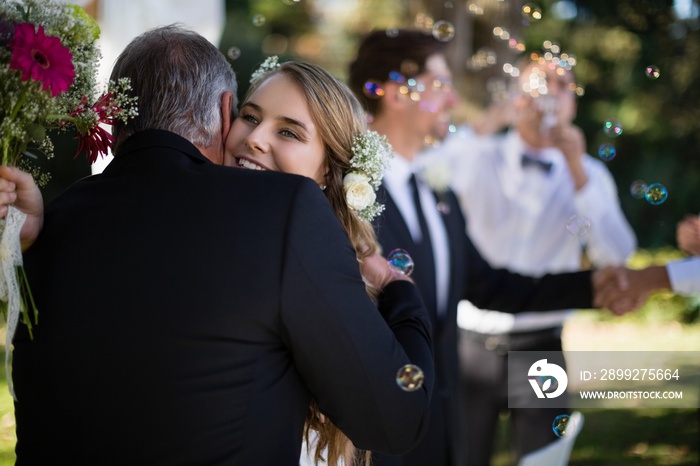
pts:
[226, 114]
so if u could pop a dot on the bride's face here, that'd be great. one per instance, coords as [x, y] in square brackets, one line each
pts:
[275, 131]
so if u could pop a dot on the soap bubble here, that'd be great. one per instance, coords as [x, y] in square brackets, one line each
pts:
[607, 152]
[638, 189]
[578, 225]
[258, 20]
[233, 53]
[401, 261]
[656, 194]
[410, 378]
[652, 72]
[612, 128]
[563, 426]
[443, 31]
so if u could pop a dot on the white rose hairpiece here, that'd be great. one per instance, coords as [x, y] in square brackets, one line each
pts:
[370, 153]
[270, 64]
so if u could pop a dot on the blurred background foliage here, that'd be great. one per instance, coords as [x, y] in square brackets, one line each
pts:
[613, 42]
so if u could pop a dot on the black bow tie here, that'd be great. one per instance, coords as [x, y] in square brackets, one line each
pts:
[536, 162]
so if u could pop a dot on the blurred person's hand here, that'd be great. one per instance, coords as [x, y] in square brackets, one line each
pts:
[622, 290]
[688, 234]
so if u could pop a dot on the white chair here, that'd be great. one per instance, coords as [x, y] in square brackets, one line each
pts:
[558, 452]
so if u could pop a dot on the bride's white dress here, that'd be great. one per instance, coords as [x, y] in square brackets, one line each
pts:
[307, 455]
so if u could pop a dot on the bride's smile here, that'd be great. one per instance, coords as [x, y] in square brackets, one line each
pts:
[247, 163]
[275, 131]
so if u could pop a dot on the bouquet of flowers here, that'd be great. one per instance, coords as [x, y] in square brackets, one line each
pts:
[48, 80]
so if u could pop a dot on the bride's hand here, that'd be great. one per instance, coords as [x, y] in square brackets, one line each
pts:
[19, 189]
[376, 271]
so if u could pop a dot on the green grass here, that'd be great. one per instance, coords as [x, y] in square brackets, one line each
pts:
[628, 437]
[7, 416]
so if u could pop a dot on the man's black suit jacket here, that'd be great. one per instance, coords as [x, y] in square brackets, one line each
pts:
[471, 278]
[188, 313]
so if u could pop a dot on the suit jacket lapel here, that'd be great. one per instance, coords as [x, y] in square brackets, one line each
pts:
[393, 232]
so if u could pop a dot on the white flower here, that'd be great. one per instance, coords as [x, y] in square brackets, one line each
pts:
[270, 64]
[438, 176]
[359, 193]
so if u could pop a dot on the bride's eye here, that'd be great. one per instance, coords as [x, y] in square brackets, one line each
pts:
[289, 134]
[250, 118]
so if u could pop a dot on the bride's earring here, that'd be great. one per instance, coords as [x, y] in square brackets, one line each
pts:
[325, 177]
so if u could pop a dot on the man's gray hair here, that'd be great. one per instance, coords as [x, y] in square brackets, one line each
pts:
[179, 78]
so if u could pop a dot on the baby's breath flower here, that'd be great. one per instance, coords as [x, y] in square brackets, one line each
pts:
[46, 147]
[40, 177]
[371, 152]
[270, 64]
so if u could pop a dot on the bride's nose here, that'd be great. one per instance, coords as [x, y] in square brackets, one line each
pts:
[257, 142]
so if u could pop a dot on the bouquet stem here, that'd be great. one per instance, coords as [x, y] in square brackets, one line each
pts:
[11, 293]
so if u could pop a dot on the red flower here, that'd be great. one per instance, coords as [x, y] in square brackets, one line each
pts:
[42, 58]
[96, 142]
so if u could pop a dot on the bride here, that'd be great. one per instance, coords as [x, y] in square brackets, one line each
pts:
[297, 118]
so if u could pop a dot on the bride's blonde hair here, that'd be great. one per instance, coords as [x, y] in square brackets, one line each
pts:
[339, 118]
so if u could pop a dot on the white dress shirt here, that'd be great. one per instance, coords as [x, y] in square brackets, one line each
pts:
[684, 275]
[517, 217]
[396, 182]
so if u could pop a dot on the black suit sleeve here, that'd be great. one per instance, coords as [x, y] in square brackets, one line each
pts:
[506, 291]
[347, 351]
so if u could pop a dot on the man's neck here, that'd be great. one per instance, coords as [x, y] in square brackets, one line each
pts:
[531, 138]
[214, 152]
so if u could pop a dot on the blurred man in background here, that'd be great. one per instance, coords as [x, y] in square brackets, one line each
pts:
[535, 203]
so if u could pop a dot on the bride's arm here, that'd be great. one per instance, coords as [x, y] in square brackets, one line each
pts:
[19, 189]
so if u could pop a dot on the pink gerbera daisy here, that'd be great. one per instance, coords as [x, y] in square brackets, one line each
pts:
[42, 58]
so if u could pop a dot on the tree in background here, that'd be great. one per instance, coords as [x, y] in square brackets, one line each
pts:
[256, 29]
[619, 46]
[613, 43]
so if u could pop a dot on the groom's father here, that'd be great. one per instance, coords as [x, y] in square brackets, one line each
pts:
[190, 311]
